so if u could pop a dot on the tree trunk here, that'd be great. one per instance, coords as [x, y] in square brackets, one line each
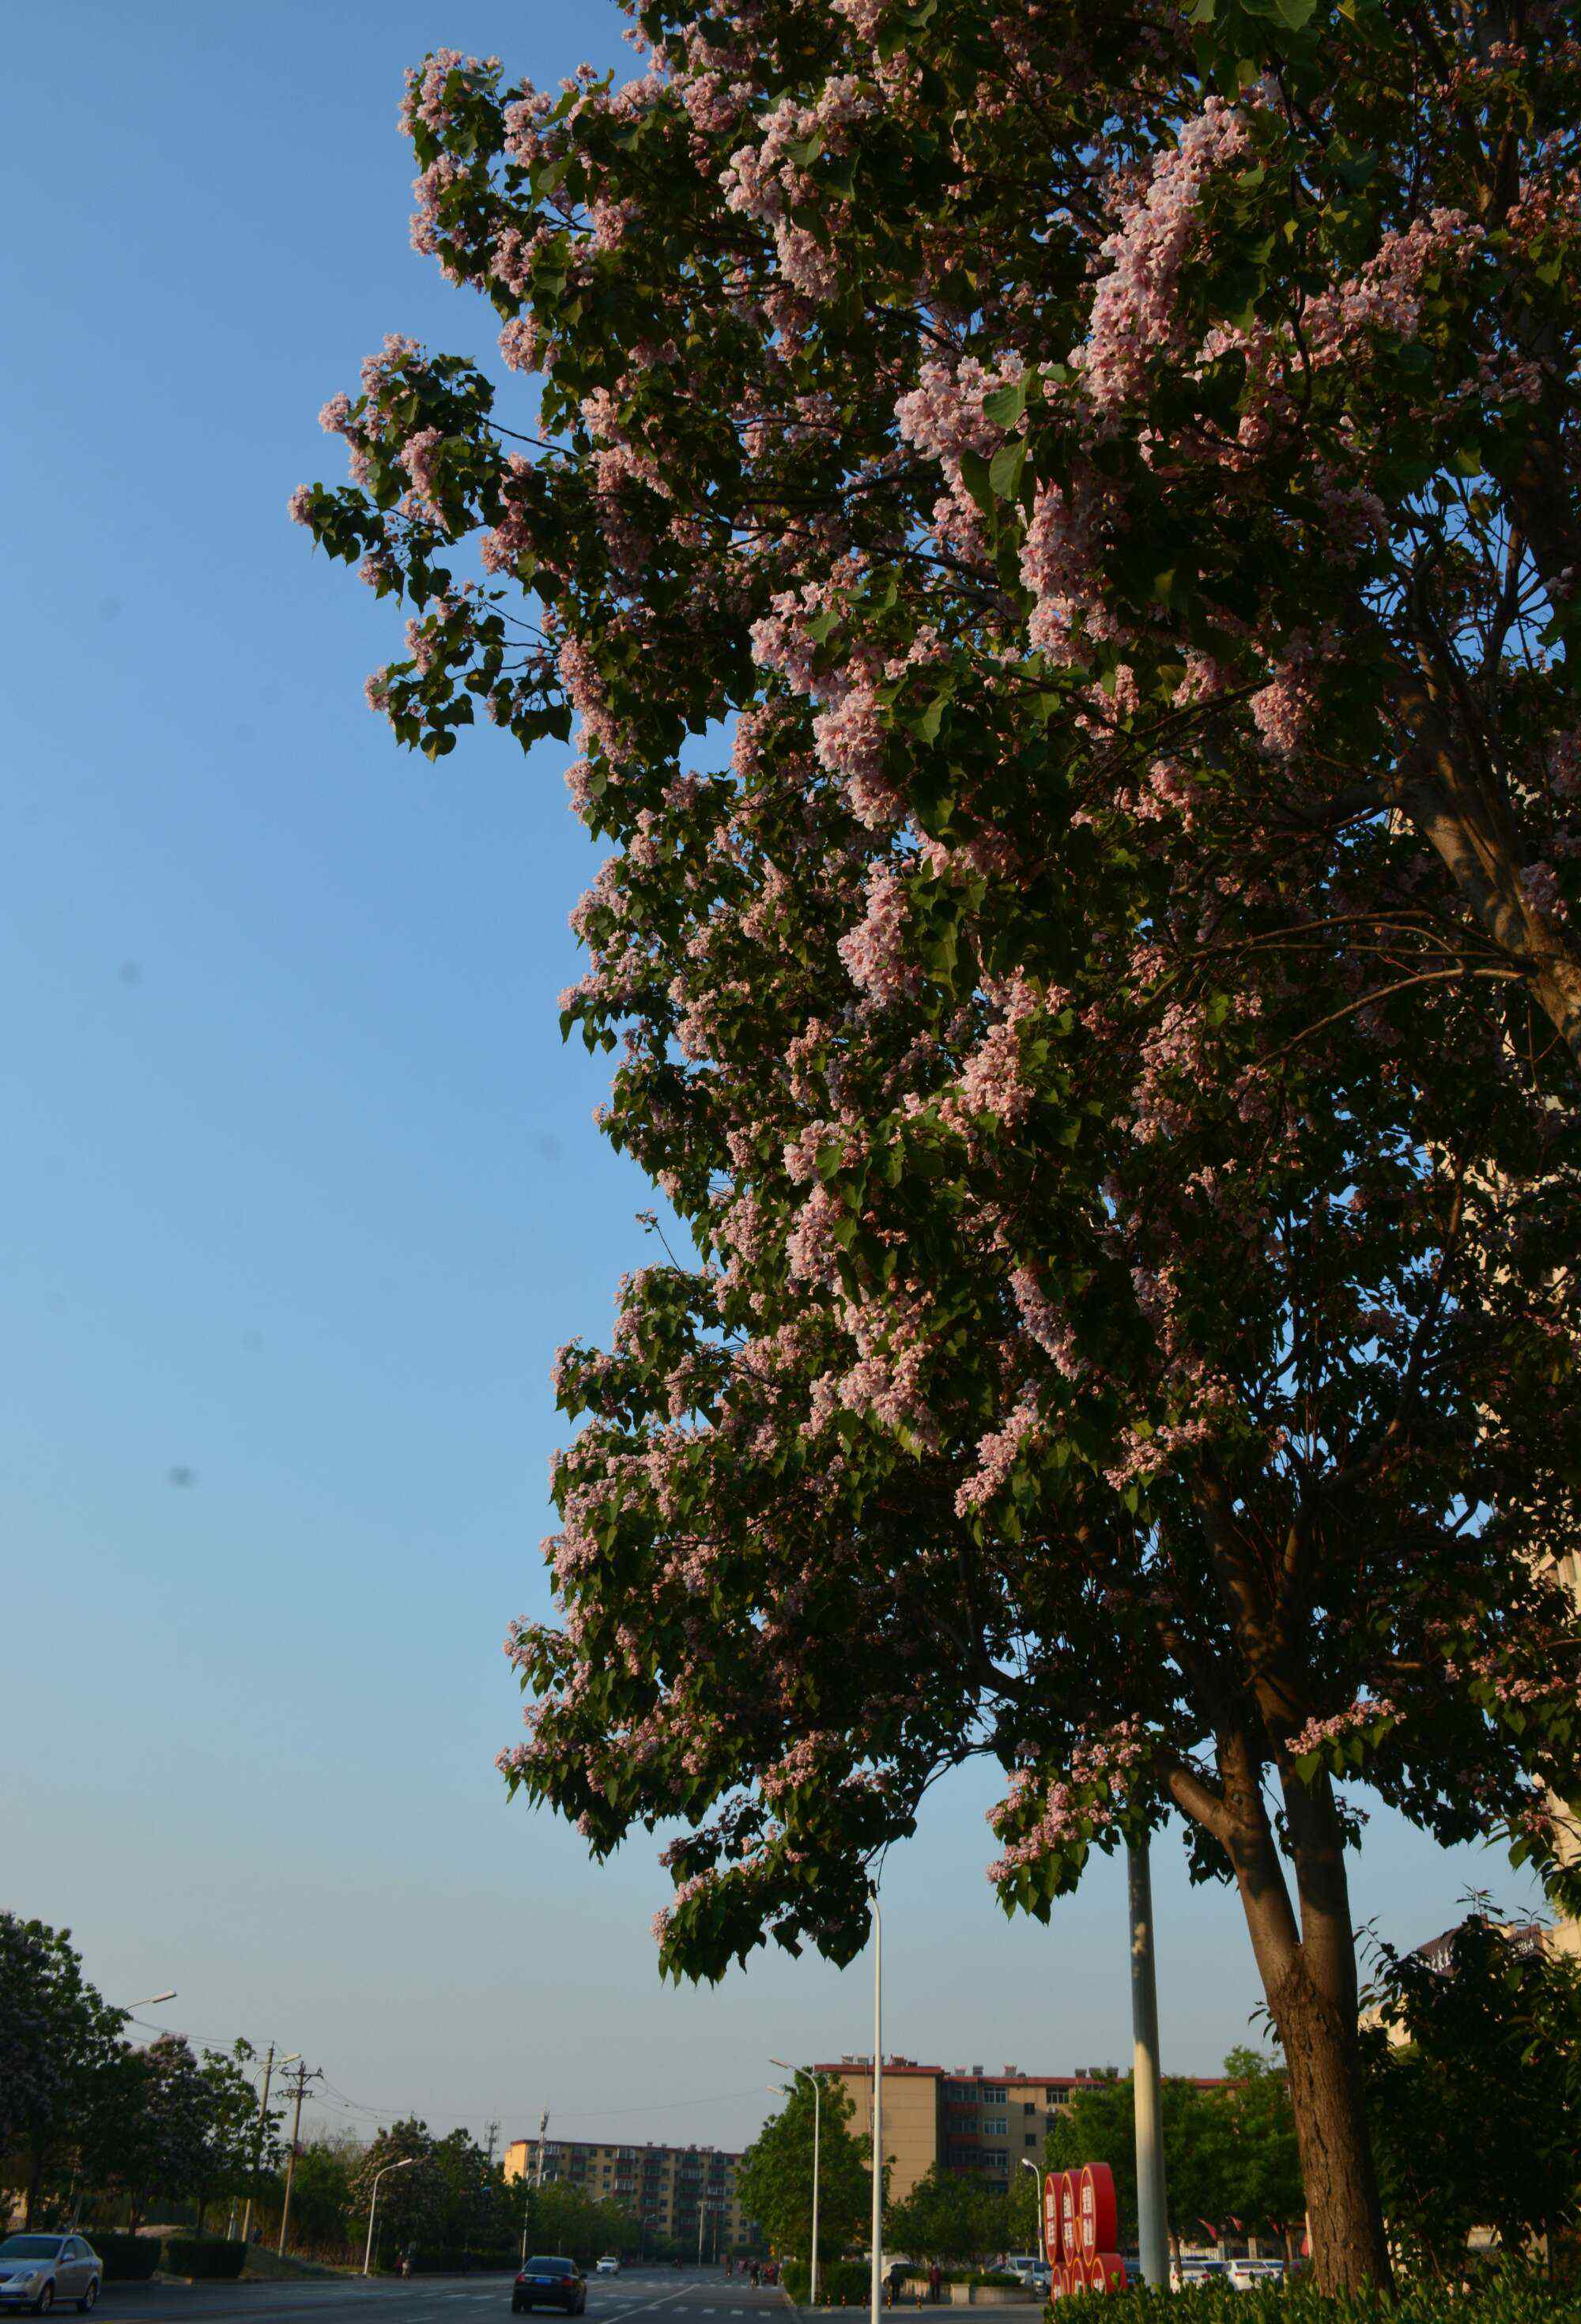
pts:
[1348, 2245]
[1309, 1979]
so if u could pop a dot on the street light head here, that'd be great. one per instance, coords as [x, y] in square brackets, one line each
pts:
[783, 2063]
[294, 2059]
[152, 2000]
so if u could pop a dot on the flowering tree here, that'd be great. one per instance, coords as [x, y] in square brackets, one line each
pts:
[1111, 1027]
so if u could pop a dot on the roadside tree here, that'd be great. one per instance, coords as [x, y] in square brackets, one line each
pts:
[775, 2179]
[57, 2037]
[950, 2217]
[411, 2203]
[1110, 1032]
[1474, 2076]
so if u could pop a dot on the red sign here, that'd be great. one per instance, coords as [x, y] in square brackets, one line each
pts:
[1098, 2214]
[1069, 2233]
[1081, 2227]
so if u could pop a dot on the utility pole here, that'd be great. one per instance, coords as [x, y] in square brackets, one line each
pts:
[527, 2206]
[263, 2126]
[299, 2081]
[1151, 2205]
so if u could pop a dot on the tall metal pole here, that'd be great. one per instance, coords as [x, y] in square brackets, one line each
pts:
[302, 2079]
[404, 2164]
[258, 2141]
[533, 2184]
[1037, 2207]
[817, 2081]
[1151, 2206]
[876, 2283]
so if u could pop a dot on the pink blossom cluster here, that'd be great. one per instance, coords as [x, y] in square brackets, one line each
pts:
[1046, 1326]
[1386, 294]
[431, 96]
[998, 1453]
[873, 952]
[1133, 314]
[1364, 1711]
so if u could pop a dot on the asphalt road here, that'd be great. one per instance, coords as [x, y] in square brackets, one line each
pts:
[646, 2295]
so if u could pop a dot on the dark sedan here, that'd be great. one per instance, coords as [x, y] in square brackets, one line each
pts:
[549, 2283]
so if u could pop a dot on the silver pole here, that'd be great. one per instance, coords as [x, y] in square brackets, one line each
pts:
[1152, 2206]
[404, 2164]
[875, 2283]
[817, 2081]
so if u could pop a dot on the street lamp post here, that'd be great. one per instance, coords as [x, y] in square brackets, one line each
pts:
[817, 2081]
[1151, 2205]
[876, 2279]
[1037, 2207]
[405, 2163]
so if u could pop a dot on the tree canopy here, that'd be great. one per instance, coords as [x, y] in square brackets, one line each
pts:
[1111, 1027]
[774, 2179]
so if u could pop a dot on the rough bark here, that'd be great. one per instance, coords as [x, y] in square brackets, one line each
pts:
[1309, 1981]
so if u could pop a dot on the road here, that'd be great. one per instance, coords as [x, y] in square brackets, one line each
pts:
[652, 2295]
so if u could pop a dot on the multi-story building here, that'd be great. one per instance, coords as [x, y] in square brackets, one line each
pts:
[685, 2192]
[981, 2125]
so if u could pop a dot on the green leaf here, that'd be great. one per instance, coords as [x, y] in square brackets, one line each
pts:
[1005, 469]
[1005, 406]
[976, 477]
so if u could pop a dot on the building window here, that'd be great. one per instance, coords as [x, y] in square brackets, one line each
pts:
[1032, 2141]
[994, 2125]
[992, 2097]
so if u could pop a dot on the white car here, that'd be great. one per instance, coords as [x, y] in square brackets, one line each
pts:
[607, 2265]
[35, 2271]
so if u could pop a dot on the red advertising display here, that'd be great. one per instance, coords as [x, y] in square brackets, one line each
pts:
[1097, 2212]
[1081, 2227]
[1052, 2218]
[1069, 2231]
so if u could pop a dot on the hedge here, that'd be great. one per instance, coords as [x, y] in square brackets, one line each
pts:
[128, 2259]
[204, 2256]
[1506, 2296]
[841, 2282]
[432, 2259]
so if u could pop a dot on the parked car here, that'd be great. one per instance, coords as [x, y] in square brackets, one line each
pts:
[550, 2281]
[1246, 2274]
[35, 2271]
[608, 2265]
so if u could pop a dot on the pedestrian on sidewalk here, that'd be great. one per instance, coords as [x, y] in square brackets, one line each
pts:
[935, 2280]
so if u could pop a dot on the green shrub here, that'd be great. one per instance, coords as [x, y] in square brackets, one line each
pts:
[841, 2282]
[128, 2259]
[211, 2256]
[1506, 2296]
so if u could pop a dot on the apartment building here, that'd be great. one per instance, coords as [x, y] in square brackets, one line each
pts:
[980, 2124]
[685, 2192]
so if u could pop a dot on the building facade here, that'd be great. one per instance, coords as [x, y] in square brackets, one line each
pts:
[685, 2192]
[983, 2125]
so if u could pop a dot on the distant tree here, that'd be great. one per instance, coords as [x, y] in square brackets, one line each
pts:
[57, 2034]
[563, 2218]
[948, 2216]
[321, 2191]
[1100, 2127]
[410, 2206]
[1474, 2074]
[1252, 2153]
[774, 2182]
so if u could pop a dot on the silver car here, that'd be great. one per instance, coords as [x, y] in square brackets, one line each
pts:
[35, 2271]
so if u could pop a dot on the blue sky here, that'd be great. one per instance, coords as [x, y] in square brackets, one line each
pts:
[301, 1192]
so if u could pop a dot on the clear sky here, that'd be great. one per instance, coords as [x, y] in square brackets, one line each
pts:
[301, 1192]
